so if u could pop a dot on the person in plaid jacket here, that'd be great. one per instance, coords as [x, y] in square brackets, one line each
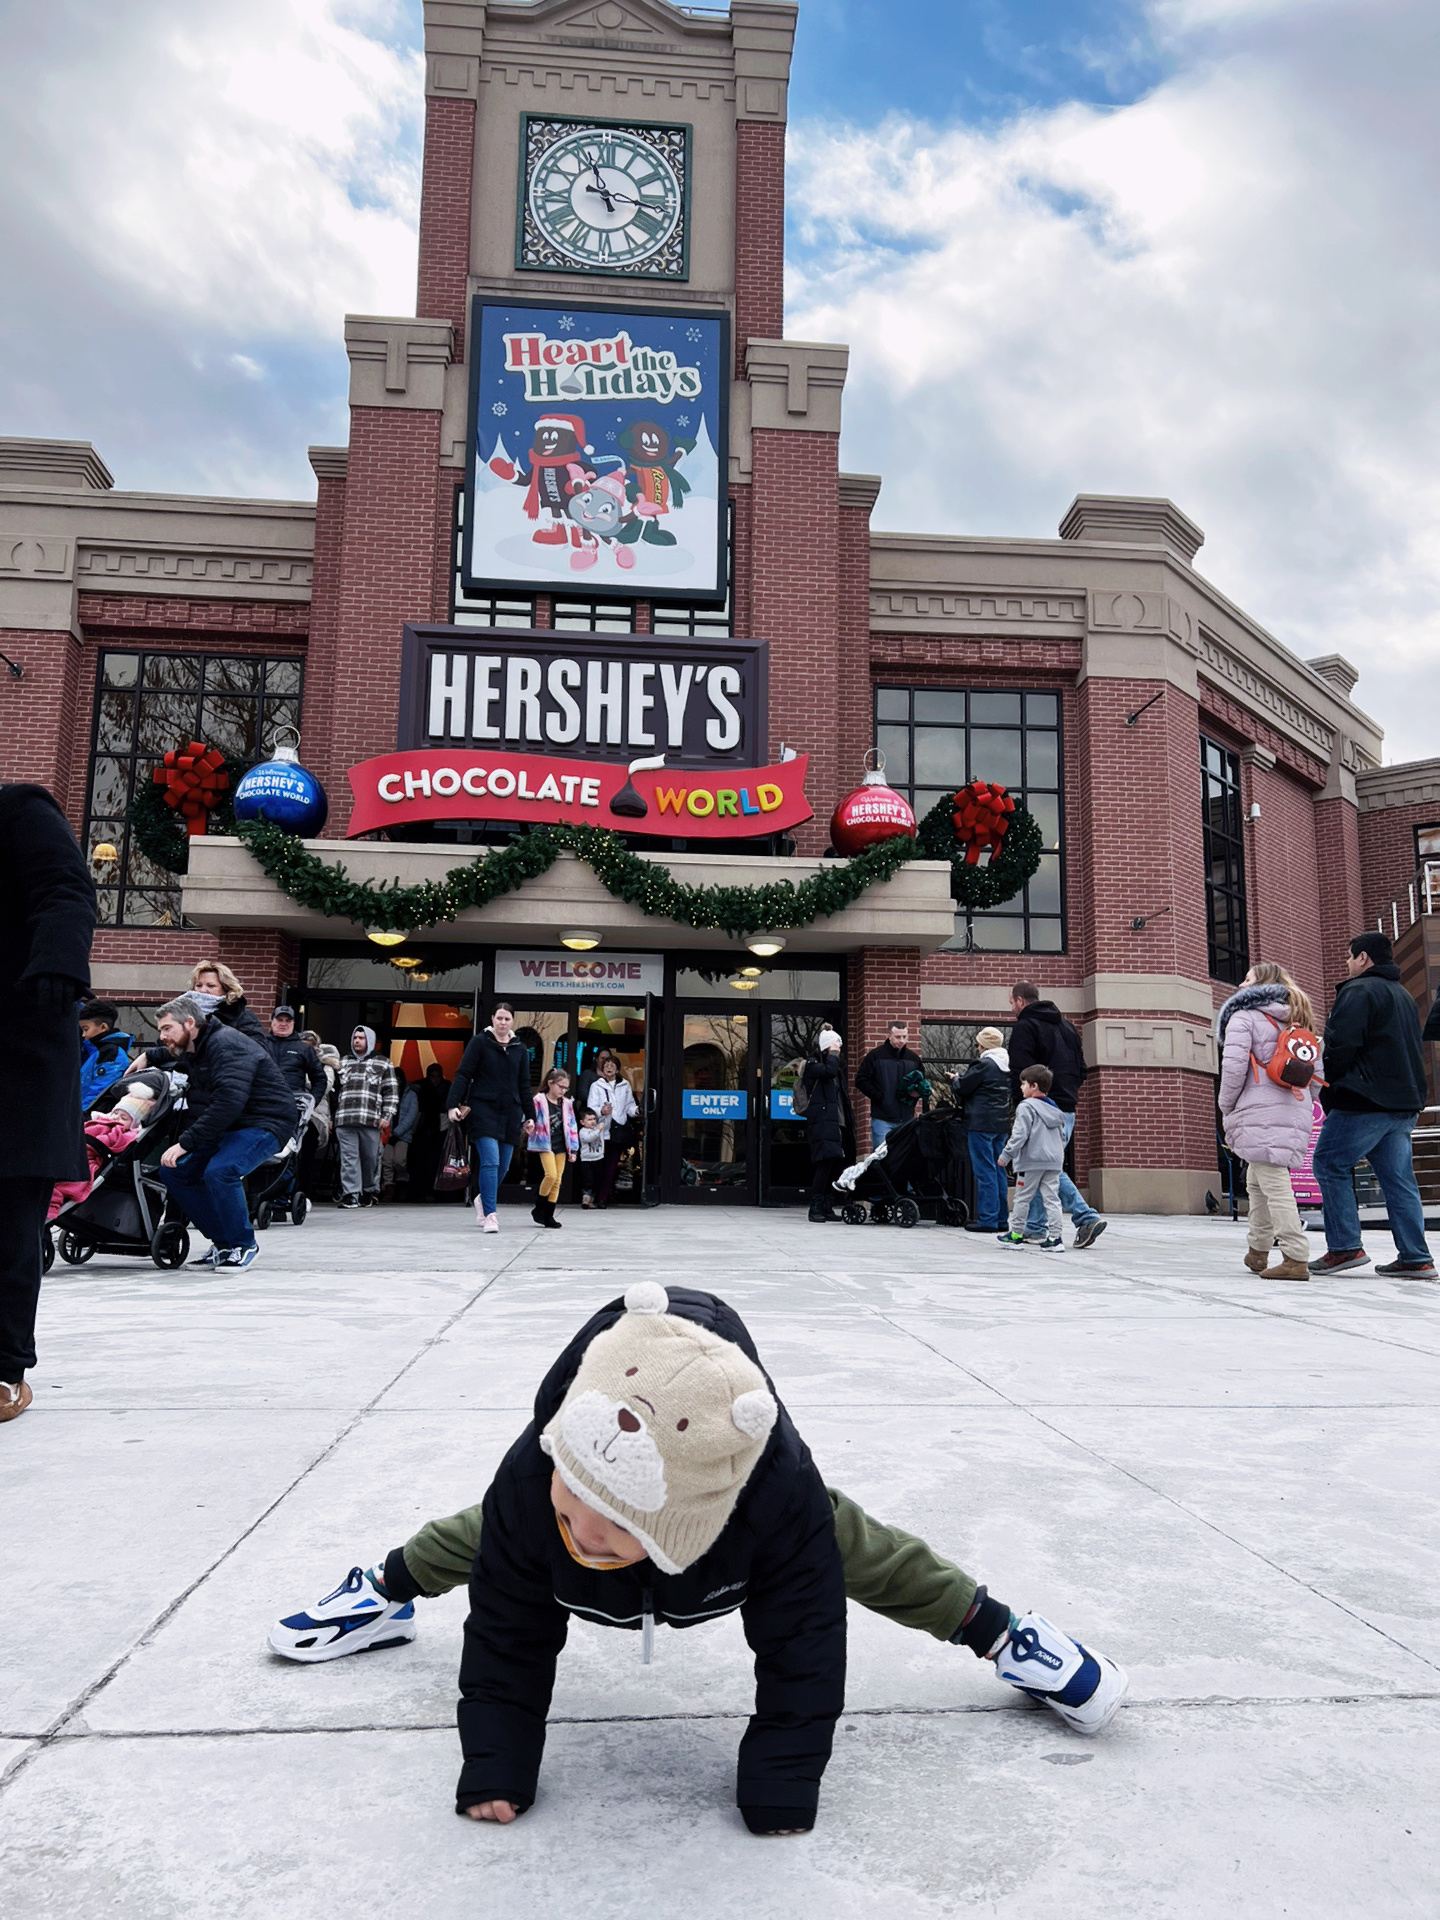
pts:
[367, 1098]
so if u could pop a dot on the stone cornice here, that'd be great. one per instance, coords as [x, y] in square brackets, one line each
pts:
[329, 463]
[1414, 783]
[1017, 610]
[398, 362]
[860, 490]
[69, 465]
[1258, 690]
[196, 572]
[795, 385]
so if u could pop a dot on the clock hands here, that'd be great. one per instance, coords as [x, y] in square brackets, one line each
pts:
[600, 187]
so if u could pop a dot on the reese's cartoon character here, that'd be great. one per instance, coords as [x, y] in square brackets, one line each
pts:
[601, 512]
[555, 470]
[655, 486]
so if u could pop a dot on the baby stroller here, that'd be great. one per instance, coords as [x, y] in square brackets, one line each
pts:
[913, 1175]
[128, 1210]
[273, 1189]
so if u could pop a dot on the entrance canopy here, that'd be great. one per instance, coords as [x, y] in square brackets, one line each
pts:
[226, 888]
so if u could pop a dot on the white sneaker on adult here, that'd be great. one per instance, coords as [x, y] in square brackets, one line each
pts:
[1084, 1688]
[491, 1223]
[352, 1619]
[480, 1214]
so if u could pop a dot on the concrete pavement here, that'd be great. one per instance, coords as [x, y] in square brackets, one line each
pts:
[1225, 1484]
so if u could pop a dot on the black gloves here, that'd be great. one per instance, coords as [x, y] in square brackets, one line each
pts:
[52, 993]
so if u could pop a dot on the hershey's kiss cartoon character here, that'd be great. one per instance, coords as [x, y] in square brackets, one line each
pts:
[555, 469]
[599, 513]
[655, 486]
[629, 802]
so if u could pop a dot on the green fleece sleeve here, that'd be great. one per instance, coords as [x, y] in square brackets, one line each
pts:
[893, 1573]
[442, 1553]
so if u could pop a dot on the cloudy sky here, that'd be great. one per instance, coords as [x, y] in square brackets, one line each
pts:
[1155, 246]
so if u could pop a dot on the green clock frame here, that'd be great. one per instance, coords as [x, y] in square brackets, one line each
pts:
[643, 271]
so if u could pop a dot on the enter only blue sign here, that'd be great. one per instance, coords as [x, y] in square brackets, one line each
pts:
[782, 1104]
[698, 1103]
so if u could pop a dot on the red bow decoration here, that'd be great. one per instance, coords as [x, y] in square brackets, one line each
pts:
[982, 814]
[194, 778]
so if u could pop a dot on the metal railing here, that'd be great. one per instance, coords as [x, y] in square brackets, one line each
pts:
[1422, 896]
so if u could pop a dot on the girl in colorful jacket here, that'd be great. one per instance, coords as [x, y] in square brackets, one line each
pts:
[556, 1138]
[1266, 1125]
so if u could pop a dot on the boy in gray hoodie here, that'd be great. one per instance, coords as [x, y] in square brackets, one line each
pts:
[1036, 1150]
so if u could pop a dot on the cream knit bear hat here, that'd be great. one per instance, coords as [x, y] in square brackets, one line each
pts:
[661, 1428]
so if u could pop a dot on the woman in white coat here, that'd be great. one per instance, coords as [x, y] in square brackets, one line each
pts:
[612, 1101]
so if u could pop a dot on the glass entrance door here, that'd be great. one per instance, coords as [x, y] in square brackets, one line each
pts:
[714, 1126]
[575, 1037]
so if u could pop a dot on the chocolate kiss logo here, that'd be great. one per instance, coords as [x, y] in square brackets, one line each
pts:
[627, 802]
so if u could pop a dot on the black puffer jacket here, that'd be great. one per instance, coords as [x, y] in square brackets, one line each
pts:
[231, 1084]
[777, 1561]
[494, 1082]
[236, 1015]
[829, 1125]
[1043, 1037]
[983, 1096]
[1373, 1058]
[881, 1072]
[299, 1064]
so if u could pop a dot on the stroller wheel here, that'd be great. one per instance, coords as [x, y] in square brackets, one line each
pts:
[299, 1207]
[75, 1252]
[879, 1213]
[170, 1244]
[853, 1213]
[262, 1216]
[47, 1250]
[905, 1213]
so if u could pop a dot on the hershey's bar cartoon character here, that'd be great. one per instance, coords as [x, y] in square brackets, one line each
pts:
[655, 486]
[555, 470]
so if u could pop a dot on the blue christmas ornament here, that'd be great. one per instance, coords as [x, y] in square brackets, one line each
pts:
[283, 792]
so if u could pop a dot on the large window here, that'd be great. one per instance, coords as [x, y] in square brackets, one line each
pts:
[1224, 863]
[147, 703]
[936, 739]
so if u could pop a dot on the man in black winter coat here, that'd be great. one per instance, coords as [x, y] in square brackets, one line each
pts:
[881, 1072]
[238, 1112]
[47, 916]
[1041, 1036]
[297, 1060]
[1374, 1089]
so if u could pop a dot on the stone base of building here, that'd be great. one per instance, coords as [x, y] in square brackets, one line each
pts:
[1152, 1189]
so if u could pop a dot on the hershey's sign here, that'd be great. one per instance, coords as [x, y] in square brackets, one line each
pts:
[586, 696]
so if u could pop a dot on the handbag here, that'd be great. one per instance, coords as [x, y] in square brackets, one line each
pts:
[454, 1174]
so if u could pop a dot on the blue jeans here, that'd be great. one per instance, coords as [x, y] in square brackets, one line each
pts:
[990, 1210]
[1384, 1140]
[879, 1129]
[494, 1165]
[210, 1187]
[1071, 1201]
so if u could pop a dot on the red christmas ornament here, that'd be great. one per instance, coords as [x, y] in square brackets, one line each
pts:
[982, 815]
[194, 778]
[872, 813]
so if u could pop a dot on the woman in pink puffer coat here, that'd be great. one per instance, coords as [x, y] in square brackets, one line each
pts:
[1267, 1125]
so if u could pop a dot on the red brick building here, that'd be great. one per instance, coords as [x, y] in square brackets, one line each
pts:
[1206, 797]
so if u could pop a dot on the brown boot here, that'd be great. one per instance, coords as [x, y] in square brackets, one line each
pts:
[1290, 1270]
[15, 1397]
[1257, 1262]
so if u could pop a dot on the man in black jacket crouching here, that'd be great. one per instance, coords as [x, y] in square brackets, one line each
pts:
[240, 1112]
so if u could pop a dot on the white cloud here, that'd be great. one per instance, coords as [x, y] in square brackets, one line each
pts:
[195, 196]
[1227, 292]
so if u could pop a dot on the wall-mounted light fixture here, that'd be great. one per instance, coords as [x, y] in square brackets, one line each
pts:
[1254, 813]
[382, 939]
[1142, 920]
[766, 945]
[579, 941]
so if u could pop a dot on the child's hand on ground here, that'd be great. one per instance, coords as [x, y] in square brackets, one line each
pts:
[501, 1811]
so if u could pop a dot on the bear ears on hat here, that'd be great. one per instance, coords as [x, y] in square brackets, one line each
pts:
[753, 1412]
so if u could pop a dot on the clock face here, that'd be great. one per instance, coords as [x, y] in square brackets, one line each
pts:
[605, 199]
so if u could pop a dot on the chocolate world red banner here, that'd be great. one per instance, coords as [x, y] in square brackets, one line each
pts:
[697, 804]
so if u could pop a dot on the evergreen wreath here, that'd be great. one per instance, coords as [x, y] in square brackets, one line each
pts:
[978, 887]
[159, 831]
[734, 911]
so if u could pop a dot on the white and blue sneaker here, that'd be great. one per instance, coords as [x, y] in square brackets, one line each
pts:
[1084, 1688]
[355, 1618]
[211, 1258]
[239, 1257]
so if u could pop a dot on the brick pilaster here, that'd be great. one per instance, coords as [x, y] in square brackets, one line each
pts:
[882, 984]
[445, 199]
[38, 712]
[759, 234]
[1342, 905]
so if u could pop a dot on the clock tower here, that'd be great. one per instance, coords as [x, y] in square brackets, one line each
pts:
[608, 172]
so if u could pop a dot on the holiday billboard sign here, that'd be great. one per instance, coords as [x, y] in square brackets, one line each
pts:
[715, 803]
[597, 458]
[601, 696]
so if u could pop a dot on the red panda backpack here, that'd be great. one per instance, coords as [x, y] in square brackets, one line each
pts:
[1295, 1063]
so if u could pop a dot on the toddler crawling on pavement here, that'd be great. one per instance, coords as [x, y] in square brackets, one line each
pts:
[661, 1482]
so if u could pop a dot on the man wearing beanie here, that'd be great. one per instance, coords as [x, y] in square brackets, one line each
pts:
[661, 1483]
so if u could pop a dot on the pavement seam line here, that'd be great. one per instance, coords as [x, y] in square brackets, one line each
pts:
[55, 1731]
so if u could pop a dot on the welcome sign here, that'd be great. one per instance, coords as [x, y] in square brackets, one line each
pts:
[597, 458]
[551, 976]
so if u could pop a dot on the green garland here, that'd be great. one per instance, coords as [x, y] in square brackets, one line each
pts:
[734, 911]
[158, 830]
[1005, 873]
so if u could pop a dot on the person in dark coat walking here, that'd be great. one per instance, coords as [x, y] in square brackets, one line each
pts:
[983, 1096]
[880, 1076]
[1042, 1037]
[238, 1112]
[47, 918]
[829, 1125]
[297, 1060]
[491, 1093]
[1374, 1089]
[432, 1096]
